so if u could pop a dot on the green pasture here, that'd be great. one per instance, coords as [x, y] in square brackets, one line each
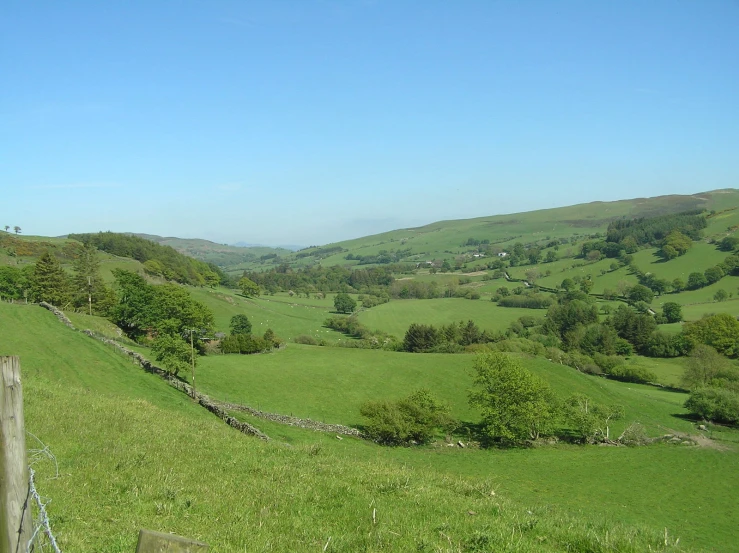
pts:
[287, 317]
[693, 312]
[698, 258]
[132, 453]
[329, 384]
[396, 316]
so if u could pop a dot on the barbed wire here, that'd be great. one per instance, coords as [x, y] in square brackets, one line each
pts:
[42, 535]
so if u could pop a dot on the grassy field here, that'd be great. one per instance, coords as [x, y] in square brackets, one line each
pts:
[288, 317]
[395, 317]
[134, 453]
[284, 382]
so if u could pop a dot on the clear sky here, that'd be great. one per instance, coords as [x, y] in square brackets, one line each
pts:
[305, 122]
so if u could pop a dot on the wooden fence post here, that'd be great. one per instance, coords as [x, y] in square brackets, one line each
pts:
[15, 519]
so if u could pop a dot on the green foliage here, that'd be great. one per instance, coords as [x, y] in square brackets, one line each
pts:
[728, 244]
[653, 230]
[636, 328]
[663, 344]
[171, 264]
[639, 293]
[145, 309]
[515, 404]
[248, 287]
[14, 281]
[413, 420]
[713, 274]
[591, 421]
[721, 331]
[344, 303]
[89, 289]
[696, 280]
[672, 311]
[721, 295]
[565, 318]
[245, 344]
[172, 353]
[675, 244]
[705, 366]
[240, 324]
[714, 404]
[50, 283]
[632, 373]
[420, 337]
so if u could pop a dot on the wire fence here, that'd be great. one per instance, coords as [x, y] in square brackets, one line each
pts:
[42, 538]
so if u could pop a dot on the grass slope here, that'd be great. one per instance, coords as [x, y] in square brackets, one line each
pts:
[134, 453]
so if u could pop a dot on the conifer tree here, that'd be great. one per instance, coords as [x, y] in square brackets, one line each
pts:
[50, 282]
[88, 286]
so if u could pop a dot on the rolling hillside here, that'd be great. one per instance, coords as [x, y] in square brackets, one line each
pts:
[133, 453]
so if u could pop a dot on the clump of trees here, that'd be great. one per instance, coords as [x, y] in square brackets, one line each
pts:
[145, 311]
[47, 281]
[451, 338]
[242, 341]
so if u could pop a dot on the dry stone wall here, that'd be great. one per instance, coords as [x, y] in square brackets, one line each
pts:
[294, 421]
[148, 366]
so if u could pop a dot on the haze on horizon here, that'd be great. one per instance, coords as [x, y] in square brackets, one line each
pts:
[313, 122]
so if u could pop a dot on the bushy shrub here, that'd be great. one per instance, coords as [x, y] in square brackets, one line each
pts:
[245, 344]
[714, 404]
[308, 340]
[414, 419]
[632, 373]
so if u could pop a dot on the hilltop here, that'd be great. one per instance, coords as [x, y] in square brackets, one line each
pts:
[447, 240]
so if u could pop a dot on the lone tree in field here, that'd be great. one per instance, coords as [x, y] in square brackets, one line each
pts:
[249, 287]
[515, 404]
[17, 229]
[7, 228]
[344, 303]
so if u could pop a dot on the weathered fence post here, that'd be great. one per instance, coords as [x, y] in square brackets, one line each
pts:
[15, 519]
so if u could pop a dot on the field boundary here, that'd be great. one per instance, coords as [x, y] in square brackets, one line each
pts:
[307, 424]
[202, 399]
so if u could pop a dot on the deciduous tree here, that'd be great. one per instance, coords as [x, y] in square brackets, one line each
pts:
[344, 303]
[515, 404]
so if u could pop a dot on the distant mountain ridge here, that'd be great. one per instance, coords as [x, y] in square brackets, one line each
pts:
[291, 247]
[223, 255]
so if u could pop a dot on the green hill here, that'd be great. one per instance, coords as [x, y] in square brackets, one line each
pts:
[447, 239]
[134, 453]
[222, 255]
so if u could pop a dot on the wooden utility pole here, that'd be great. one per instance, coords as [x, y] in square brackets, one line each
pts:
[15, 518]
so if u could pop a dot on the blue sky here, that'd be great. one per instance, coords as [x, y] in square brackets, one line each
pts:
[305, 122]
